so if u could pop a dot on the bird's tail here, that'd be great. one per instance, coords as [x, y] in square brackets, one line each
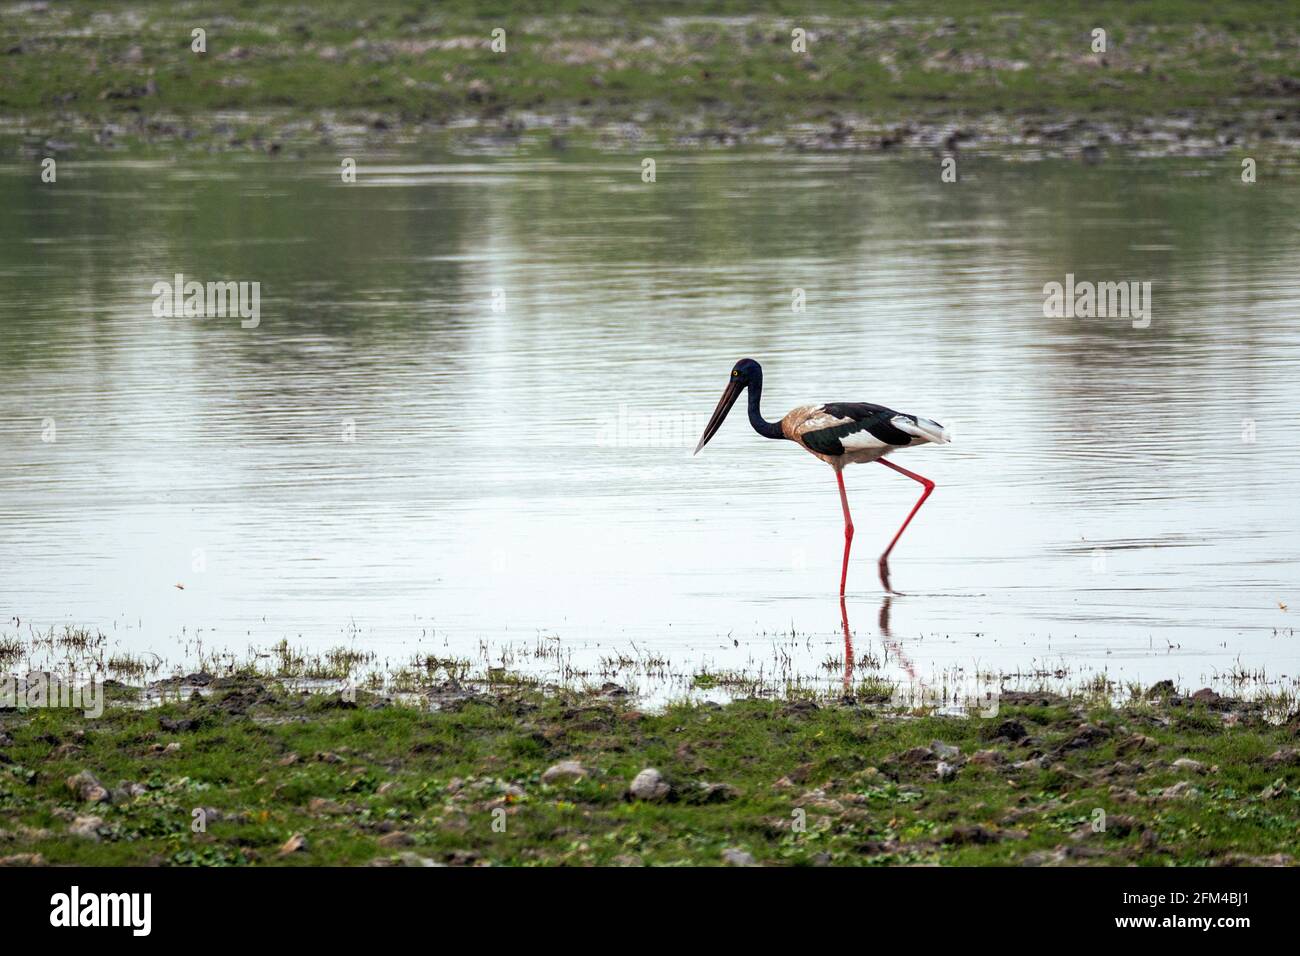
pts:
[922, 428]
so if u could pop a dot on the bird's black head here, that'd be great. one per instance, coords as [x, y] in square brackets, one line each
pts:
[744, 374]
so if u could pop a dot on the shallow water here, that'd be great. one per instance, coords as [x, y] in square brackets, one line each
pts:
[390, 462]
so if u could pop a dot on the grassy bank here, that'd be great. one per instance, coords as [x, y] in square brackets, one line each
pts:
[714, 71]
[285, 778]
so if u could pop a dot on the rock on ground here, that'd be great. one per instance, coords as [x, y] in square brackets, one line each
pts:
[566, 771]
[649, 785]
[86, 827]
[733, 857]
[87, 787]
[294, 844]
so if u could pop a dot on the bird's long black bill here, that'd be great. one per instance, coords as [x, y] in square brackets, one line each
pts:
[729, 396]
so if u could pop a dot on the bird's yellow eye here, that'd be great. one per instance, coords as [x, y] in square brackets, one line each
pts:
[734, 373]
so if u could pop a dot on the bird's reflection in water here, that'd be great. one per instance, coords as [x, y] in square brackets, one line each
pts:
[886, 636]
[848, 649]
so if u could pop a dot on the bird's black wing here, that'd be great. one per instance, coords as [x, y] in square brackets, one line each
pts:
[855, 417]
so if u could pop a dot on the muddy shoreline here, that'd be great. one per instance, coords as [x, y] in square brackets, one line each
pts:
[246, 771]
[1090, 139]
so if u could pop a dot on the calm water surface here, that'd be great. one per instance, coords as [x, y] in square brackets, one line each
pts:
[390, 462]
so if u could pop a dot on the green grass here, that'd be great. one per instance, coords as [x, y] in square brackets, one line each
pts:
[342, 776]
[415, 62]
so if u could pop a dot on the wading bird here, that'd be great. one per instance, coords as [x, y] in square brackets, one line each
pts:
[840, 433]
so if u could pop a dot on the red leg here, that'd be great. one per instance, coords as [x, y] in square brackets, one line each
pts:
[848, 531]
[929, 487]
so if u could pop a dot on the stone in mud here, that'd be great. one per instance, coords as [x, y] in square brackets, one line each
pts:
[406, 859]
[127, 790]
[705, 792]
[1121, 824]
[239, 700]
[819, 801]
[179, 724]
[1016, 698]
[1286, 757]
[1164, 688]
[566, 771]
[1083, 852]
[916, 755]
[1086, 736]
[1044, 858]
[734, 857]
[1135, 743]
[1187, 763]
[649, 785]
[1274, 790]
[1206, 696]
[799, 708]
[87, 788]
[1245, 859]
[295, 844]
[1009, 730]
[86, 827]
[801, 773]
[963, 835]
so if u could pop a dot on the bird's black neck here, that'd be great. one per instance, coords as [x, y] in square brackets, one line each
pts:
[765, 428]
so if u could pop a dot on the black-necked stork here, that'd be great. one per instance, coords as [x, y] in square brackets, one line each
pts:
[839, 433]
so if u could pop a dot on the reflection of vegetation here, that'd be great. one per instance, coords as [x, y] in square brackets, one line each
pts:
[422, 61]
[716, 239]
